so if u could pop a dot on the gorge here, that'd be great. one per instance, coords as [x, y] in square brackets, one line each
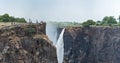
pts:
[31, 43]
[91, 44]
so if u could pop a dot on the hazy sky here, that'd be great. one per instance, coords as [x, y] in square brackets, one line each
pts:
[61, 10]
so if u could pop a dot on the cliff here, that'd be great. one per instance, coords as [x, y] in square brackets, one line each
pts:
[26, 43]
[92, 45]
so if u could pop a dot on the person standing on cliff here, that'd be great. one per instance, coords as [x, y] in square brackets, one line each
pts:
[30, 22]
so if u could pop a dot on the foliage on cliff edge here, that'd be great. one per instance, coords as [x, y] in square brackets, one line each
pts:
[7, 18]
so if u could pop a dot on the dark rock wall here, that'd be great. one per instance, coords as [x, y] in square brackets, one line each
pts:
[16, 46]
[92, 45]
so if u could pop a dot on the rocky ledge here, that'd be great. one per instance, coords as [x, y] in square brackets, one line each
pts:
[26, 44]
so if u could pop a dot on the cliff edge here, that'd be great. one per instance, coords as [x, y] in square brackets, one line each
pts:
[92, 45]
[26, 43]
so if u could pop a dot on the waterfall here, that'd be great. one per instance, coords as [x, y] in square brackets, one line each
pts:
[51, 31]
[60, 47]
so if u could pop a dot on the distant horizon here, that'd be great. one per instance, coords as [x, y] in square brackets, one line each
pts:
[57, 21]
[61, 10]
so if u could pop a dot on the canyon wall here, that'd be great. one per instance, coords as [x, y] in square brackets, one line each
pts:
[92, 45]
[26, 43]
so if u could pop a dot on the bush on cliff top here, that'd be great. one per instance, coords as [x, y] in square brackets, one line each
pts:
[88, 23]
[7, 18]
[108, 20]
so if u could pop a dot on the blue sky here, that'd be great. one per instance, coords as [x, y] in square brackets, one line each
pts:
[61, 10]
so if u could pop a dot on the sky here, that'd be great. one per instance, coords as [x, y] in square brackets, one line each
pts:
[61, 10]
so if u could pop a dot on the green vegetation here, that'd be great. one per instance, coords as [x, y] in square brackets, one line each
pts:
[119, 19]
[7, 18]
[88, 23]
[30, 31]
[108, 20]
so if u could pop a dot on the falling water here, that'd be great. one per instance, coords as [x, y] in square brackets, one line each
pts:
[51, 31]
[60, 47]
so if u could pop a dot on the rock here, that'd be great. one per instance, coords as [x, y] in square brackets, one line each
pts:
[92, 45]
[1, 56]
[16, 46]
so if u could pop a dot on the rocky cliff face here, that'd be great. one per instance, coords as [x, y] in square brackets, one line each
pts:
[92, 45]
[26, 44]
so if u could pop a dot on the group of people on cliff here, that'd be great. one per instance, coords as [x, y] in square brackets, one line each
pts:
[37, 22]
[30, 22]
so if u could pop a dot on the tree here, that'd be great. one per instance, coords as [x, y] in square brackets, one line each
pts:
[109, 20]
[88, 23]
[11, 19]
[119, 19]
[98, 23]
[20, 20]
[7, 18]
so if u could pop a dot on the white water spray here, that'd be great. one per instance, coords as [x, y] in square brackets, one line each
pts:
[51, 31]
[60, 47]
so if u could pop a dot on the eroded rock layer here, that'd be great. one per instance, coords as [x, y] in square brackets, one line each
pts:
[26, 44]
[92, 45]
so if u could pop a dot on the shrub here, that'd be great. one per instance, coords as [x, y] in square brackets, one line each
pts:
[29, 31]
[88, 23]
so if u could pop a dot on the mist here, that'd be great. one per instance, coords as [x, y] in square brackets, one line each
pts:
[51, 31]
